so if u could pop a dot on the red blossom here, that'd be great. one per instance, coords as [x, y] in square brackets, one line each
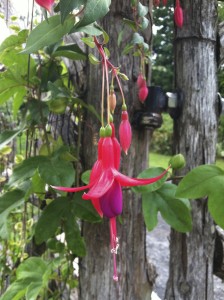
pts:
[47, 4]
[143, 93]
[125, 132]
[178, 15]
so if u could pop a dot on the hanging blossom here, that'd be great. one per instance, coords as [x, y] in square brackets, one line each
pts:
[47, 4]
[104, 188]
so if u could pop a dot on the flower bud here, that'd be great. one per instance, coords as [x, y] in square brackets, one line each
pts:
[125, 133]
[141, 81]
[108, 131]
[143, 93]
[112, 101]
[47, 4]
[178, 15]
[177, 161]
[164, 2]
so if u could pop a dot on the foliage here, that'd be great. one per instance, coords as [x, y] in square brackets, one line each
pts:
[162, 59]
[35, 220]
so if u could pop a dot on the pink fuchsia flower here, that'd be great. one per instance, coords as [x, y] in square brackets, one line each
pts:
[178, 15]
[125, 132]
[143, 93]
[141, 81]
[105, 188]
[164, 2]
[47, 4]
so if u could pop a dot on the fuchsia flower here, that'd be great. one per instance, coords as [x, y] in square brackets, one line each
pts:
[178, 15]
[164, 2]
[125, 133]
[143, 93]
[141, 81]
[47, 4]
[104, 188]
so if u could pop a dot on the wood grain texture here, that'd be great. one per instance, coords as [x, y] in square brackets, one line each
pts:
[195, 133]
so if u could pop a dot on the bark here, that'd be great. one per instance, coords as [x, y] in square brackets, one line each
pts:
[96, 270]
[191, 255]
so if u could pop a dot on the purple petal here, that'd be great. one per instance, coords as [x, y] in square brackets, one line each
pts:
[111, 202]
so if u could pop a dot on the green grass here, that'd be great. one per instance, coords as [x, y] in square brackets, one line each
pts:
[160, 160]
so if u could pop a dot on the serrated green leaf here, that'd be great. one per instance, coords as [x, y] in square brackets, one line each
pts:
[71, 51]
[50, 219]
[66, 6]
[93, 59]
[57, 172]
[142, 10]
[94, 10]
[84, 210]
[149, 173]
[7, 136]
[174, 211]
[48, 32]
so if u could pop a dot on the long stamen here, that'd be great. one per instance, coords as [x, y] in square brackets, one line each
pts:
[114, 245]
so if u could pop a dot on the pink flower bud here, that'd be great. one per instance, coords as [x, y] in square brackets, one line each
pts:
[143, 93]
[141, 81]
[47, 4]
[178, 15]
[112, 101]
[125, 133]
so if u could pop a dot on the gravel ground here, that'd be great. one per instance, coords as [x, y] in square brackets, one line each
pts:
[158, 253]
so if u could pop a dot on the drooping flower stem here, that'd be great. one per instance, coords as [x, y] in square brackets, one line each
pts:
[107, 64]
[102, 95]
[108, 90]
[114, 245]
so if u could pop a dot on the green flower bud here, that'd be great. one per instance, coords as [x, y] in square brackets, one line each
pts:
[108, 131]
[177, 161]
[102, 132]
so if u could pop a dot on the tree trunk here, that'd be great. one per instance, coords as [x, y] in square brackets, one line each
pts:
[191, 255]
[96, 270]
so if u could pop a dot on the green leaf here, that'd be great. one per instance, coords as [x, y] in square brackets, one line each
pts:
[66, 6]
[8, 202]
[57, 172]
[91, 29]
[86, 176]
[174, 211]
[200, 182]
[142, 10]
[94, 10]
[50, 219]
[127, 49]
[25, 170]
[48, 32]
[83, 209]
[16, 290]
[32, 268]
[137, 38]
[7, 136]
[149, 173]
[93, 59]
[88, 41]
[33, 290]
[14, 41]
[144, 23]
[205, 180]
[130, 23]
[18, 99]
[71, 51]
[73, 237]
